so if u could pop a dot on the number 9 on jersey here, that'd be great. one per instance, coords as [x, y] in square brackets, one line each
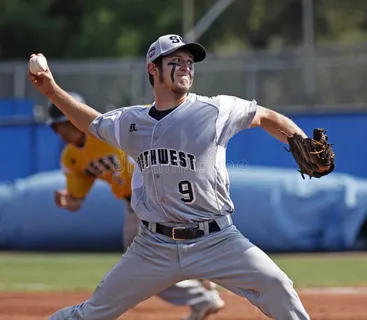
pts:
[186, 189]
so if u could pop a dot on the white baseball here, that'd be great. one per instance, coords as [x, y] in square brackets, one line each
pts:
[37, 64]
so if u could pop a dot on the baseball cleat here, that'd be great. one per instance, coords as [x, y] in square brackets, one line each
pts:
[211, 308]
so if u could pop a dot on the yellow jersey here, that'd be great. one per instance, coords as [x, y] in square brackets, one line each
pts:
[96, 159]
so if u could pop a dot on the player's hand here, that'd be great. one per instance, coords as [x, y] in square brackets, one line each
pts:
[60, 198]
[64, 200]
[44, 81]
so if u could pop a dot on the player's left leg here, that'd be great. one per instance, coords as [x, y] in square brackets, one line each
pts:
[232, 261]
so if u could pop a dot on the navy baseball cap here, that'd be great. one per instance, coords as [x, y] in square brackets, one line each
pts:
[169, 43]
[54, 113]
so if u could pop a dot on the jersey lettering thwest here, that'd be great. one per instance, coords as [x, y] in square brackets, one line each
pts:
[165, 157]
[181, 157]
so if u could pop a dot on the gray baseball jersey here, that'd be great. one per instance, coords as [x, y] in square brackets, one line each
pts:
[181, 157]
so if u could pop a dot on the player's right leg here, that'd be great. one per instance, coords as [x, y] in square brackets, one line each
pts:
[148, 266]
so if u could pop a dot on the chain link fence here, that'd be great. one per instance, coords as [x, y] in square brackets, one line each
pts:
[333, 78]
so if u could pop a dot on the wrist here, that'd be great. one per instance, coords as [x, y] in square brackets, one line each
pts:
[53, 92]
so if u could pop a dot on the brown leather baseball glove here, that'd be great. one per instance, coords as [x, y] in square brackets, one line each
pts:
[314, 157]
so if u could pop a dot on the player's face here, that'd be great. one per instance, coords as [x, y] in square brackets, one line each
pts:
[68, 132]
[178, 71]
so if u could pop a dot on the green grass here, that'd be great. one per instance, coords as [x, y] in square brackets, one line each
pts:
[325, 270]
[53, 272]
[80, 272]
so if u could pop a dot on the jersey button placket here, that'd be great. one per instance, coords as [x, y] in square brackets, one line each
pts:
[156, 171]
[156, 133]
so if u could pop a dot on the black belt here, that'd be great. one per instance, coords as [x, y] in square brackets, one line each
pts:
[183, 233]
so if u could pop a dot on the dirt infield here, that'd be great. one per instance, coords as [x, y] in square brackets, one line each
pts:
[321, 305]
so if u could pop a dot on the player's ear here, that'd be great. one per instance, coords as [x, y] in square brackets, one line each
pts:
[152, 68]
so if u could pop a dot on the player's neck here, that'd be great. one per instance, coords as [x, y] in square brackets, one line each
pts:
[168, 100]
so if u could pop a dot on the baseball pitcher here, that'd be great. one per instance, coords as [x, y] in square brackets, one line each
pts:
[85, 159]
[179, 145]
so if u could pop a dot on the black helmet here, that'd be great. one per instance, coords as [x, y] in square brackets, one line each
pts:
[54, 113]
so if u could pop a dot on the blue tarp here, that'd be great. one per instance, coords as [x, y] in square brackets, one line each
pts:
[275, 209]
[278, 210]
[30, 220]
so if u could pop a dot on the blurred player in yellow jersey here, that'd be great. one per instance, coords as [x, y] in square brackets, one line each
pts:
[85, 159]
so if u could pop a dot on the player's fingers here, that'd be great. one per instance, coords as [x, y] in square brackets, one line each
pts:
[32, 55]
[63, 202]
[59, 200]
[31, 75]
[61, 192]
[32, 78]
[41, 74]
[40, 54]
